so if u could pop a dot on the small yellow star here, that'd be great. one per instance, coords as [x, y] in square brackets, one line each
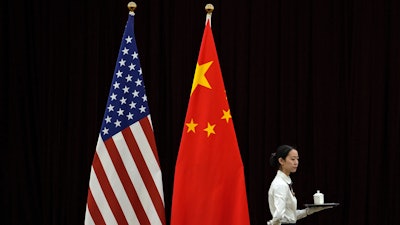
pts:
[227, 115]
[210, 129]
[191, 126]
[199, 76]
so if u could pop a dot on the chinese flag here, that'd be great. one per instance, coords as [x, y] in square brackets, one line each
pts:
[209, 184]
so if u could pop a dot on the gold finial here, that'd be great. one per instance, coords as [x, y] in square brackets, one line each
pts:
[209, 8]
[132, 6]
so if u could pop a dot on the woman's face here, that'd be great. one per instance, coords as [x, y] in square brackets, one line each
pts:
[290, 163]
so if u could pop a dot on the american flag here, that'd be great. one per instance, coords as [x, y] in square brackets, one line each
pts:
[125, 184]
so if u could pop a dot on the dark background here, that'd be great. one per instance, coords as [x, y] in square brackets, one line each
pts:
[323, 76]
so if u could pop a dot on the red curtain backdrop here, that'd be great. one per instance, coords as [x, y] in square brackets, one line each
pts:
[323, 76]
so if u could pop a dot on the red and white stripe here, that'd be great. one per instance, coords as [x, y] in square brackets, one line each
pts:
[125, 184]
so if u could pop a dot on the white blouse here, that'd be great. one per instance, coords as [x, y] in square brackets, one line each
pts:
[282, 202]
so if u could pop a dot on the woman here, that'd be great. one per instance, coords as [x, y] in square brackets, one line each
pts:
[281, 197]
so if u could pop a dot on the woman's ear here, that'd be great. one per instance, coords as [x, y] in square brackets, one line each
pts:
[281, 161]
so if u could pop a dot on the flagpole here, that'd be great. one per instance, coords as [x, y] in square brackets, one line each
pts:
[132, 6]
[209, 9]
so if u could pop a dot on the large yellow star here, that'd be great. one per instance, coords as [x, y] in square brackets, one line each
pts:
[210, 129]
[199, 76]
[227, 115]
[191, 126]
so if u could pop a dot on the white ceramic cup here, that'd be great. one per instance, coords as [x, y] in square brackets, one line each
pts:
[318, 198]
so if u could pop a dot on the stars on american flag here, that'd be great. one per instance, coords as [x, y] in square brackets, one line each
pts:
[127, 102]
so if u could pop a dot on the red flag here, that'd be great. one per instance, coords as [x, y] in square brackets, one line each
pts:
[125, 184]
[209, 184]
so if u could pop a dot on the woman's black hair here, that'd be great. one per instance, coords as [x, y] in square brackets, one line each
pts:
[281, 152]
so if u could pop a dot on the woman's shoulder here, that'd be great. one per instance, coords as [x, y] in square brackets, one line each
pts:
[278, 188]
[278, 182]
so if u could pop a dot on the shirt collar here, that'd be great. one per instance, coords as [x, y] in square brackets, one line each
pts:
[285, 177]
